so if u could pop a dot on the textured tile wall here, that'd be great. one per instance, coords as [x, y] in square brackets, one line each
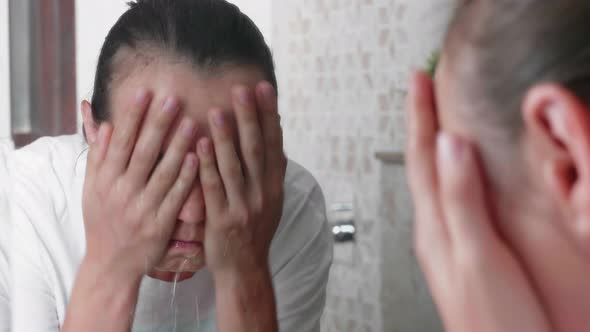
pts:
[343, 67]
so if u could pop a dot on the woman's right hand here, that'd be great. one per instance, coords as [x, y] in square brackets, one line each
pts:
[130, 200]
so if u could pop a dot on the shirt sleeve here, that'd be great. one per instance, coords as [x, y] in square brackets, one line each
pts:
[33, 302]
[300, 283]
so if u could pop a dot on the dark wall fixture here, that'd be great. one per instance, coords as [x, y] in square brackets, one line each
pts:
[42, 69]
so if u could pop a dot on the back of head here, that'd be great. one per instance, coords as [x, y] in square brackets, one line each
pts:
[207, 34]
[514, 80]
[496, 50]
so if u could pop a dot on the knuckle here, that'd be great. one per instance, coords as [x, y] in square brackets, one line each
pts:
[207, 162]
[179, 190]
[133, 219]
[161, 121]
[240, 216]
[231, 229]
[136, 111]
[122, 192]
[142, 152]
[210, 184]
[255, 149]
[258, 202]
[186, 177]
[234, 170]
[148, 233]
[164, 174]
[101, 191]
[125, 139]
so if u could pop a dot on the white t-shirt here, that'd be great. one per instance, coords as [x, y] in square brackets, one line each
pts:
[4, 245]
[49, 244]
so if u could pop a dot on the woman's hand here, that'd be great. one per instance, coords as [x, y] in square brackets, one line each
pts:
[243, 185]
[243, 191]
[130, 201]
[476, 281]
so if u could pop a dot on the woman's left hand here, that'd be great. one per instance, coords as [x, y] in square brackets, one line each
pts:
[243, 185]
[476, 280]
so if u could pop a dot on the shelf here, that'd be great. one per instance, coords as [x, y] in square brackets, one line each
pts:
[390, 157]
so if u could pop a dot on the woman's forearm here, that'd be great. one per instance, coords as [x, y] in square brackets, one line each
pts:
[245, 302]
[101, 302]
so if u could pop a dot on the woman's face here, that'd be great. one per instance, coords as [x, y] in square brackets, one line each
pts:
[198, 93]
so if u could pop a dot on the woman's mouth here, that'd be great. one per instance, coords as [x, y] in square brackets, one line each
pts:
[194, 247]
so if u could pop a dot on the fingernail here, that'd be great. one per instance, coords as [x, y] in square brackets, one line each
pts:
[268, 90]
[141, 96]
[188, 128]
[218, 118]
[170, 105]
[242, 96]
[450, 150]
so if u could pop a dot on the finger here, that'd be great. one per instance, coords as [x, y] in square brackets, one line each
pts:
[177, 195]
[124, 136]
[422, 129]
[213, 191]
[228, 163]
[98, 150]
[462, 191]
[250, 132]
[150, 141]
[167, 171]
[271, 130]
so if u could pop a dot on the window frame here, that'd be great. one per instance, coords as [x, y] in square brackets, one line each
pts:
[42, 69]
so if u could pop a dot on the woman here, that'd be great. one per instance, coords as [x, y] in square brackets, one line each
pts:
[498, 164]
[183, 214]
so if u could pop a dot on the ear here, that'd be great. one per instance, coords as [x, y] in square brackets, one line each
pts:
[90, 127]
[560, 121]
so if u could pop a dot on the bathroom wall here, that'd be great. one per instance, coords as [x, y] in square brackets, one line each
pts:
[343, 67]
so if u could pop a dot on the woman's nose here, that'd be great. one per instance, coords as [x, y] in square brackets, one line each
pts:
[193, 210]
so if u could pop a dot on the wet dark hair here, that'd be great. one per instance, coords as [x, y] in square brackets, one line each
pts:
[208, 34]
[499, 49]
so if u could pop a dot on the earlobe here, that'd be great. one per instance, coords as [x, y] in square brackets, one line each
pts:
[90, 127]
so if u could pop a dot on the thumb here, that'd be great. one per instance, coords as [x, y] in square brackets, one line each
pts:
[463, 197]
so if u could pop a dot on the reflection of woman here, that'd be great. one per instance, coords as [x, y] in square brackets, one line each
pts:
[90, 224]
[511, 253]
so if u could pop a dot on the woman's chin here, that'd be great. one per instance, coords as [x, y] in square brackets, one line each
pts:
[177, 268]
